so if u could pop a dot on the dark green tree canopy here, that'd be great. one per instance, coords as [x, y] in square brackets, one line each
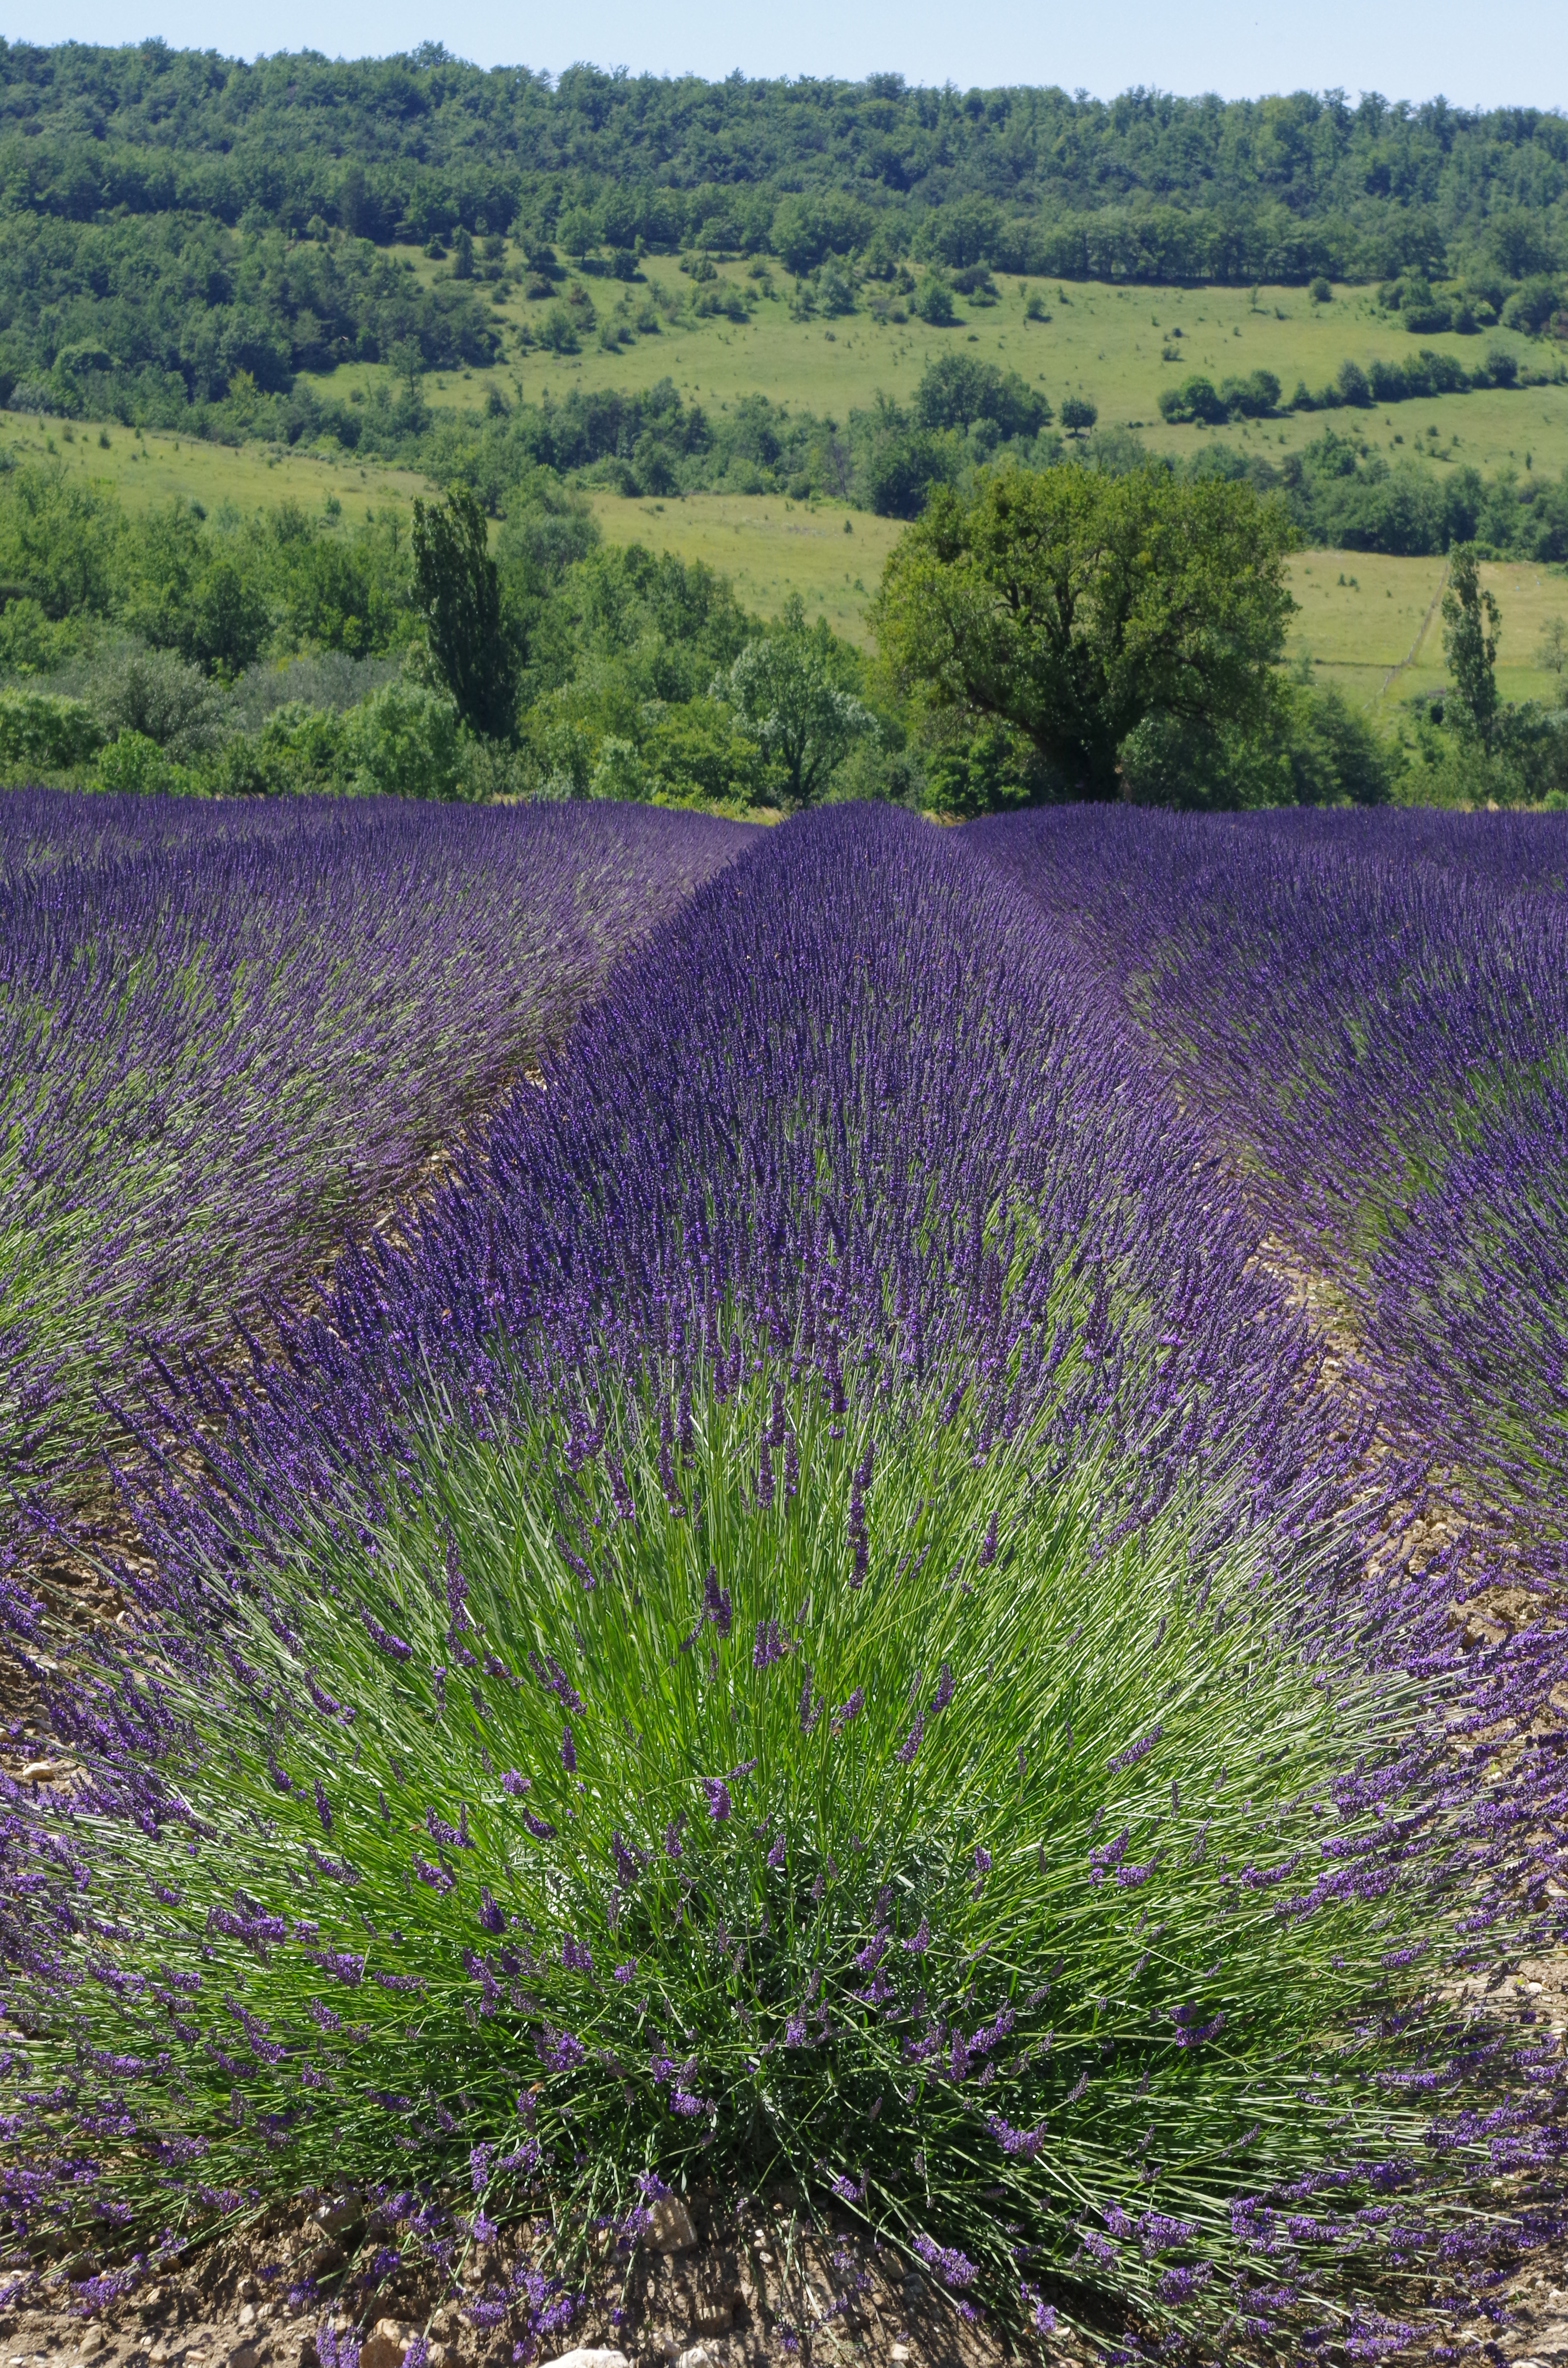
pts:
[458, 591]
[956, 391]
[1471, 627]
[1072, 606]
[1144, 185]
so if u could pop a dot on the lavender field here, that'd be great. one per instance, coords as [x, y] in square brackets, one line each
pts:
[891, 1527]
[232, 1035]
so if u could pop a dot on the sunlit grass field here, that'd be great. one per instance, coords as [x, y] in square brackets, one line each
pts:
[155, 466]
[1373, 626]
[1104, 342]
[769, 547]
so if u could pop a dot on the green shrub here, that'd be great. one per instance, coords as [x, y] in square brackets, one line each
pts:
[933, 303]
[156, 694]
[1314, 751]
[135, 765]
[40, 733]
[1195, 398]
[695, 751]
[620, 772]
[406, 742]
[558, 332]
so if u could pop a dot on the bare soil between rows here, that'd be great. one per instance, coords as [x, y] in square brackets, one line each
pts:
[764, 2281]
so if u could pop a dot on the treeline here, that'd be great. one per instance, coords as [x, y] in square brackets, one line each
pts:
[1259, 396]
[290, 653]
[132, 318]
[1146, 185]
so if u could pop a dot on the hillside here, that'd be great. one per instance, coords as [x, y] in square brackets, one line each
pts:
[1150, 185]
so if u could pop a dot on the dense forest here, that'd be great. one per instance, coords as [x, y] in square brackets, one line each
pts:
[1147, 184]
[169, 216]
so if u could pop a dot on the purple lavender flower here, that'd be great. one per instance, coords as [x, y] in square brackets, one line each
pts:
[1024, 2143]
[1042, 2318]
[716, 1602]
[944, 1692]
[323, 1809]
[383, 1638]
[336, 2350]
[952, 2266]
[457, 1586]
[720, 1806]
[1134, 1752]
[847, 1711]
[628, 1864]
[568, 1751]
[559, 2051]
[768, 1647]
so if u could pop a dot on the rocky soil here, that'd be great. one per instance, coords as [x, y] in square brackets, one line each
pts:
[715, 2285]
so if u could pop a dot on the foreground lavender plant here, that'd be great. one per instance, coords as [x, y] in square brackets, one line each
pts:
[811, 1616]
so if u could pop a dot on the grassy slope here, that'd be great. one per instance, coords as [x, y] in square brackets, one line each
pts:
[151, 468]
[769, 547]
[1360, 616]
[1104, 342]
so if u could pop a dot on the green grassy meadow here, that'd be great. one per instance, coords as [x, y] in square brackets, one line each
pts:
[154, 466]
[1104, 342]
[769, 547]
[1372, 626]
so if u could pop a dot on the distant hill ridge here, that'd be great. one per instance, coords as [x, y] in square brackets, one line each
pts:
[1146, 185]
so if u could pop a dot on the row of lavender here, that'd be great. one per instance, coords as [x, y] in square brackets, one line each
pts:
[814, 1617]
[1373, 1014]
[228, 1035]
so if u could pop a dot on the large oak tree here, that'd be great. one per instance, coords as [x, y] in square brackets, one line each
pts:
[1074, 606]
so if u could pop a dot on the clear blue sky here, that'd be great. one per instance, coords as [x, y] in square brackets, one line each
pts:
[1505, 52]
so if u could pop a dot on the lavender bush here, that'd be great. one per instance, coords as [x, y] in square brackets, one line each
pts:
[1373, 1012]
[815, 1615]
[228, 1035]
